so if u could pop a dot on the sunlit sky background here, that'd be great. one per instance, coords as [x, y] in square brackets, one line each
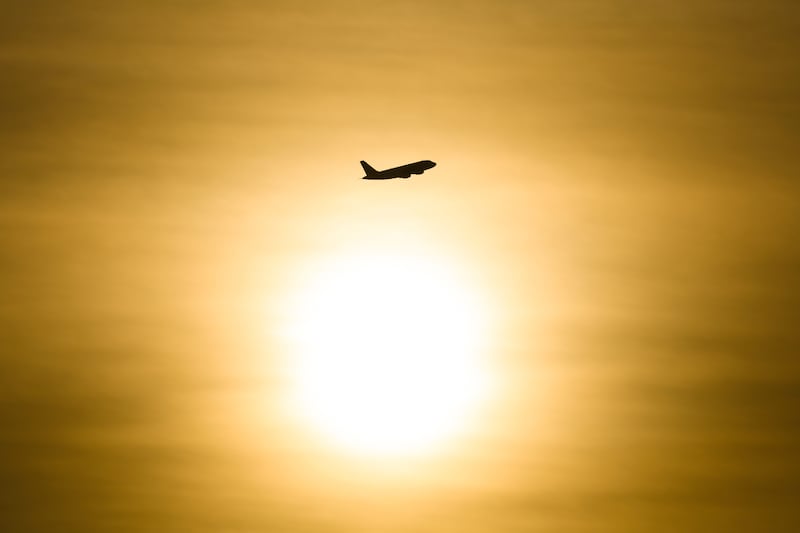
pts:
[617, 180]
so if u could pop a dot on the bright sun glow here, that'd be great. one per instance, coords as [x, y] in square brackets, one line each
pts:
[386, 356]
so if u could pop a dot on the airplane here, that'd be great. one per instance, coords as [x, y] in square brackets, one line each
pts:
[403, 171]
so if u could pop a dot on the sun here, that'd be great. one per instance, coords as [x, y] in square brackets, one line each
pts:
[387, 352]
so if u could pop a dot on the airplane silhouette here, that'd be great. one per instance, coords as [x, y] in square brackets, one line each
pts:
[403, 171]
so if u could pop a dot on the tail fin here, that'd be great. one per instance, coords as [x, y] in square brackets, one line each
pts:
[368, 169]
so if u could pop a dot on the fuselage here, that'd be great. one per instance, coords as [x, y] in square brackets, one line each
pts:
[403, 171]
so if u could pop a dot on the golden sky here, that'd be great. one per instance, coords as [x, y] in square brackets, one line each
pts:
[616, 182]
